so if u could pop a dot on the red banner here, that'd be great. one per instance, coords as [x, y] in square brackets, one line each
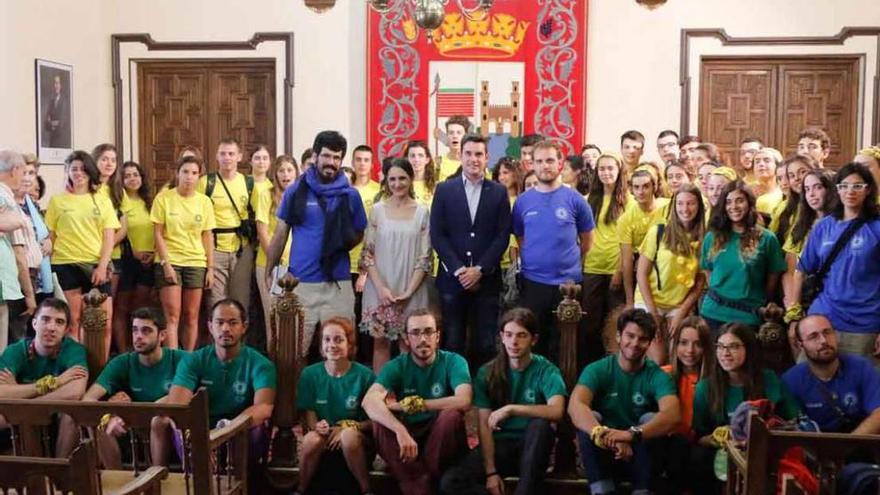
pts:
[519, 70]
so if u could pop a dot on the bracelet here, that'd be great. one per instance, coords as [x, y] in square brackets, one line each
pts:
[413, 404]
[46, 384]
[720, 435]
[105, 419]
[349, 423]
[795, 312]
[493, 473]
[596, 435]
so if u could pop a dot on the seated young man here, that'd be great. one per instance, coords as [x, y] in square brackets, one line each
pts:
[240, 381]
[840, 392]
[417, 406]
[51, 366]
[518, 396]
[143, 375]
[622, 405]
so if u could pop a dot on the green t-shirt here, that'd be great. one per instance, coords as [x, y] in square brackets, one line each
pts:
[26, 370]
[535, 385]
[142, 383]
[231, 386]
[622, 398]
[404, 377]
[738, 279]
[334, 398]
[705, 421]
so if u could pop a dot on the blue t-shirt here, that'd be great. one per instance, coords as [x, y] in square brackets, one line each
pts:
[550, 224]
[308, 236]
[840, 404]
[851, 294]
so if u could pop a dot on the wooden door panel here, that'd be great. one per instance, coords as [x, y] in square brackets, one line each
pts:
[821, 96]
[736, 102]
[200, 102]
[172, 109]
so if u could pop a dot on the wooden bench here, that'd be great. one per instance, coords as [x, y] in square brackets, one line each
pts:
[753, 471]
[77, 475]
[30, 421]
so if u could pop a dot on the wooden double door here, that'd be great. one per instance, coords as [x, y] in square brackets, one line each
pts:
[774, 99]
[200, 102]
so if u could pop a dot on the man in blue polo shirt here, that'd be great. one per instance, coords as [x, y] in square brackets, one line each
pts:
[328, 220]
[840, 392]
[553, 226]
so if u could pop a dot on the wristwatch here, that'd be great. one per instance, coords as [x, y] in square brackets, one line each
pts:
[636, 433]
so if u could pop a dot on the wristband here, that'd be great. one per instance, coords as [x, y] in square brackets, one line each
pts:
[794, 313]
[349, 423]
[720, 435]
[596, 435]
[105, 419]
[46, 384]
[493, 473]
[412, 404]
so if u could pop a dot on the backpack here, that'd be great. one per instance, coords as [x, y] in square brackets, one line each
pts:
[247, 229]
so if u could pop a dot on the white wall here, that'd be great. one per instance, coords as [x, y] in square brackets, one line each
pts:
[633, 55]
[633, 52]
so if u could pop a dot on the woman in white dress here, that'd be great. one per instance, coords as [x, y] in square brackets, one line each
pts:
[397, 257]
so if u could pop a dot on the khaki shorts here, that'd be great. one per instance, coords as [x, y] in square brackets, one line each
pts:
[188, 277]
[322, 301]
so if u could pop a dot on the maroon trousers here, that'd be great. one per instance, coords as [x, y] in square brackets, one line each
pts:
[441, 440]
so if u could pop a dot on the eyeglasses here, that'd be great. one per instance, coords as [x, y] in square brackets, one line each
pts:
[424, 332]
[731, 348]
[851, 186]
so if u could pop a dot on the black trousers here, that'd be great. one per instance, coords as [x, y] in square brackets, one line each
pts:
[478, 308]
[543, 300]
[526, 457]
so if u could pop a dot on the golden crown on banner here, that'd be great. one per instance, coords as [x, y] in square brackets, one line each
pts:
[459, 37]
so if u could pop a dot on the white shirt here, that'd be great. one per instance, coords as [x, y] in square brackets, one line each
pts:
[472, 191]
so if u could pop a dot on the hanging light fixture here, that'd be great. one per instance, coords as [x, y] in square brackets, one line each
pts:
[428, 14]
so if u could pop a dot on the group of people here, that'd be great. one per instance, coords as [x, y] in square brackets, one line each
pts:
[457, 268]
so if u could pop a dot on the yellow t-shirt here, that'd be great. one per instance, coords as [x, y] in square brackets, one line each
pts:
[104, 190]
[140, 227]
[448, 167]
[265, 214]
[506, 261]
[604, 254]
[767, 203]
[368, 194]
[184, 219]
[423, 195]
[224, 214]
[634, 223]
[677, 273]
[79, 222]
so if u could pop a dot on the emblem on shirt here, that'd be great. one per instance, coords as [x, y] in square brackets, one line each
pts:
[198, 219]
[96, 211]
[167, 385]
[239, 387]
[857, 241]
[638, 399]
[351, 402]
[850, 400]
[436, 390]
[561, 213]
[529, 395]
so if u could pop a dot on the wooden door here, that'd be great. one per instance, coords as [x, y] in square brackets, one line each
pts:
[200, 102]
[775, 98]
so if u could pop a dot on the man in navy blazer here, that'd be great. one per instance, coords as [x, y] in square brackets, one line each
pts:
[470, 230]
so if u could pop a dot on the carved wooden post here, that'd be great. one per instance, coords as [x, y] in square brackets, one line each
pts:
[94, 327]
[568, 317]
[287, 324]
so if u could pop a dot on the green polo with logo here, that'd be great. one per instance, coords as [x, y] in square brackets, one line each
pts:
[622, 398]
[231, 386]
[403, 377]
[532, 386]
[142, 383]
[29, 369]
[334, 398]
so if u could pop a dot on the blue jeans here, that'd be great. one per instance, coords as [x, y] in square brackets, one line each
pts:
[599, 463]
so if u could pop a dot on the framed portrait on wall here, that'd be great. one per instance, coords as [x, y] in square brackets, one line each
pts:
[54, 110]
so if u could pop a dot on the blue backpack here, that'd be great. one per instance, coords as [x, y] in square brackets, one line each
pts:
[859, 478]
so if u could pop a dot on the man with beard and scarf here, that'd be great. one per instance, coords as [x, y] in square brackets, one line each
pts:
[240, 381]
[624, 406]
[417, 406]
[143, 375]
[840, 392]
[327, 219]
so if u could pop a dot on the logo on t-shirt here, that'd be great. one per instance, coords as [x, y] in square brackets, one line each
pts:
[198, 218]
[638, 399]
[351, 402]
[850, 400]
[239, 387]
[96, 211]
[168, 385]
[561, 213]
[857, 242]
[436, 390]
[529, 395]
